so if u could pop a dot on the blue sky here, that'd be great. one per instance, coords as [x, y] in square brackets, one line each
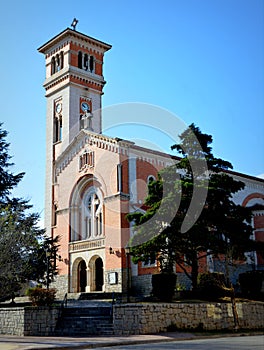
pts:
[203, 60]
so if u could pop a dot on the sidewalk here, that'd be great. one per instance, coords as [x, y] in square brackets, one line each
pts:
[34, 343]
[8, 342]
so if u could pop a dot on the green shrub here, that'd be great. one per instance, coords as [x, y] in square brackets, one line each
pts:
[41, 296]
[163, 286]
[251, 283]
[211, 285]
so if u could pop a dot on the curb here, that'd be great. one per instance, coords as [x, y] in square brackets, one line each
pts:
[143, 341]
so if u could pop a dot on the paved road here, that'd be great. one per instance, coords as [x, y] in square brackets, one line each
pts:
[165, 341]
[227, 343]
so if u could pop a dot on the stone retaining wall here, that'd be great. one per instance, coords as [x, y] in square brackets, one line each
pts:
[22, 321]
[140, 318]
[12, 321]
[162, 317]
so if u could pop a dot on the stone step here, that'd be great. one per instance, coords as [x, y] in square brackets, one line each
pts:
[82, 328]
[84, 333]
[88, 303]
[87, 311]
[99, 296]
[78, 320]
[86, 321]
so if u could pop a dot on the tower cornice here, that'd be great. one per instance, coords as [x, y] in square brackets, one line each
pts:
[72, 73]
[69, 33]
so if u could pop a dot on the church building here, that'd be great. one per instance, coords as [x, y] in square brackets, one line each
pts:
[90, 177]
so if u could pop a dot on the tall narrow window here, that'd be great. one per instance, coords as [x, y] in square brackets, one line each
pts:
[57, 63]
[100, 229]
[150, 179]
[93, 219]
[57, 129]
[91, 64]
[119, 177]
[60, 128]
[52, 65]
[80, 60]
[81, 122]
[85, 61]
[55, 208]
[62, 59]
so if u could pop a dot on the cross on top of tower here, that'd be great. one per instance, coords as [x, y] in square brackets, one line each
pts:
[74, 23]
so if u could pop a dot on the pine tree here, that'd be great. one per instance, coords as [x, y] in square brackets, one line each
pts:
[22, 242]
[191, 213]
[7, 179]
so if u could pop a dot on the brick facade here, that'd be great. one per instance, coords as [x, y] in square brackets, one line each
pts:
[93, 181]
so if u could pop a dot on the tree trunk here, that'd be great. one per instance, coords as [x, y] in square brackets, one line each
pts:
[194, 273]
[232, 297]
[234, 308]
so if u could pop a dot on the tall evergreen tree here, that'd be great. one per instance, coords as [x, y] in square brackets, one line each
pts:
[22, 242]
[7, 179]
[171, 231]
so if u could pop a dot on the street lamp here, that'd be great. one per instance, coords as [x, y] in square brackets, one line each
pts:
[127, 251]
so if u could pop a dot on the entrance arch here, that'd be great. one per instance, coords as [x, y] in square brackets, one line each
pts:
[82, 277]
[96, 268]
[99, 274]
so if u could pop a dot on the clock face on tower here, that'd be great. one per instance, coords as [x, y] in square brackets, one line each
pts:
[58, 107]
[85, 107]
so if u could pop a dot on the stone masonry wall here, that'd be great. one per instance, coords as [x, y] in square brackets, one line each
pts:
[21, 321]
[140, 318]
[141, 285]
[12, 321]
[40, 321]
[60, 283]
[161, 317]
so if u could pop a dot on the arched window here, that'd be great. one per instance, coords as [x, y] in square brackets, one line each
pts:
[91, 64]
[92, 218]
[57, 63]
[85, 61]
[60, 128]
[80, 60]
[81, 122]
[57, 129]
[150, 179]
[61, 59]
[52, 65]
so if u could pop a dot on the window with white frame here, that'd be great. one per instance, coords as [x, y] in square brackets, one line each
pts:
[150, 179]
[92, 216]
[151, 262]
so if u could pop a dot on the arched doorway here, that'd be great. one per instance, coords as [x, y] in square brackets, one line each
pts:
[82, 276]
[99, 275]
[96, 274]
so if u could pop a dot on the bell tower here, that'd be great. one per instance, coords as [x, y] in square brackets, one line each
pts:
[74, 87]
[74, 84]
